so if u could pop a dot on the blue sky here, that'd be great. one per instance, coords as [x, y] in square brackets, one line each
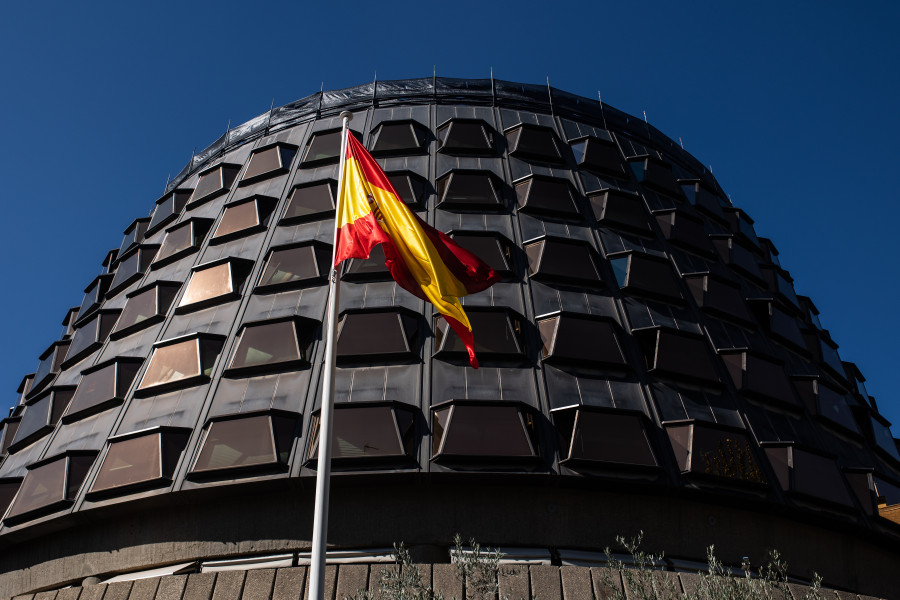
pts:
[794, 105]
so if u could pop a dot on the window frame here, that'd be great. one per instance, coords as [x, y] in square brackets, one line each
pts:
[120, 388]
[419, 131]
[228, 173]
[280, 170]
[487, 130]
[322, 255]
[265, 206]
[159, 317]
[191, 380]
[200, 228]
[238, 271]
[497, 187]
[314, 216]
[302, 326]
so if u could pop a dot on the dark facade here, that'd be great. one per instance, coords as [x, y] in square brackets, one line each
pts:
[646, 361]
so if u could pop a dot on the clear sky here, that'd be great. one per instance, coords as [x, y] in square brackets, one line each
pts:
[793, 104]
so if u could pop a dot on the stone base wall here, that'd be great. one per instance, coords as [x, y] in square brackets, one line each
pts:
[522, 582]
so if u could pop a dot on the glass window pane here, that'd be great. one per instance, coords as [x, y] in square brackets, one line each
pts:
[397, 137]
[323, 146]
[268, 161]
[130, 461]
[375, 333]
[310, 201]
[94, 389]
[294, 265]
[235, 443]
[468, 190]
[365, 431]
[612, 438]
[43, 486]
[267, 344]
[534, 142]
[207, 284]
[464, 137]
[562, 260]
[547, 196]
[487, 431]
[172, 363]
[237, 217]
[177, 239]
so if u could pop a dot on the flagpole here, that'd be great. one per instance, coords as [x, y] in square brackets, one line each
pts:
[323, 465]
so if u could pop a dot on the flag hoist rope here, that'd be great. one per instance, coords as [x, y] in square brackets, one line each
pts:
[323, 465]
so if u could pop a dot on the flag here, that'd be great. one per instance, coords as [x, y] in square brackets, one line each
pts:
[424, 261]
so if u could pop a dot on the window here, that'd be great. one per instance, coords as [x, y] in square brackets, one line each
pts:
[214, 283]
[409, 186]
[244, 217]
[884, 439]
[779, 282]
[8, 488]
[559, 260]
[90, 336]
[466, 136]
[134, 234]
[182, 239]
[678, 354]
[50, 485]
[620, 210]
[781, 327]
[399, 137]
[824, 352]
[568, 338]
[25, 387]
[498, 335]
[598, 155]
[268, 162]
[41, 416]
[533, 142]
[131, 267]
[808, 474]
[102, 386]
[51, 360]
[8, 428]
[654, 173]
[492, 248]
[368, 269]
[368, 434]
[547, 196]
[684, 230]
[180, 362]
[703, 199]
[645, 275]
[737, 256]
[760, 377]
[140, 459]
[295, 266]
[378, 335]
[276, 345]
[167, 209]
[466, 430]
[145, 307]
[741, 224]
[310, 202]
[719, 297]
[705, 450]
[68, 322]
[93, 295]
[213, 182]
[247, 442]
[593, 437]
[323, 147]
[826, 402]
[678, 403]
[470, 190]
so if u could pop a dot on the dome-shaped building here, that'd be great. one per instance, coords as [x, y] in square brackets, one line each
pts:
[645, 364]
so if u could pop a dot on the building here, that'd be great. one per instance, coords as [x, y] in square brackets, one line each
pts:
[646, 363]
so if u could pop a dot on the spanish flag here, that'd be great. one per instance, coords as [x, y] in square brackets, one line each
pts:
[424, 261]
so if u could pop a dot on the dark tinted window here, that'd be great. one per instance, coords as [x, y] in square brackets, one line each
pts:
[51, 360]
[465, 137]
[535, 143]
[246, 442]
[702, 450]
[324, 146]
[802, 472]
[101, 387]
[214, 182]
[43, 487]
[182, 239]
[760, 377]
[168, 208]
[276, 344]
[42, 415]
[598, 155]
[93, 295]
[648, 276]
[719, 297]
[617, 209]
[144, 459]
[672, 353]
[211, 284]
[368, 432]
[269, 161]
[608, 438]
[686, 231]
[469, 190]
[373, 335]
[237, 217]
[295, 266]
[409, 186]
[132, 267]
[371, 268]
[543, 195]
[574, 339]
[310, 201]
[562, 261]
[489, 430]
[90, 335]
[146, 307]
[498, 334]
[134, 234]
[656, 174]
[682, 403]
[183, 362]
[493, 249]
[402, 137]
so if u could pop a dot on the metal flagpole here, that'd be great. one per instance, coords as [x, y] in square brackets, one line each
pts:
[323, 466]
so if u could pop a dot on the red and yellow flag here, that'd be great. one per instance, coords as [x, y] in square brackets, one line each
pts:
[424, 261]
